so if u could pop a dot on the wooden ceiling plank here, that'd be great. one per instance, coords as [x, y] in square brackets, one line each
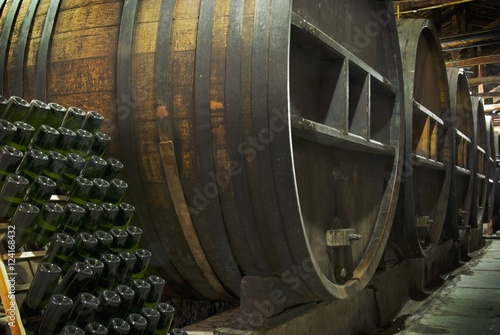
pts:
[409, 6]
[474, 61]
[484, 80]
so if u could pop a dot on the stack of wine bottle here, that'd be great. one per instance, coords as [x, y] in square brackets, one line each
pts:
[59, 194]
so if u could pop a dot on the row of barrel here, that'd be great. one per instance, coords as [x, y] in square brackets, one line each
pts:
[283, 139]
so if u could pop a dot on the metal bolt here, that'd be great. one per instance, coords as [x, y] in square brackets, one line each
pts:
[355, 236]
[341, 273]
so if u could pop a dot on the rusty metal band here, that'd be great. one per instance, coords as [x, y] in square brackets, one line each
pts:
[20, 49]
[167, 152]
[260, 169]
[43, 51]
[217, 244]
[5, 38]
[234, 132]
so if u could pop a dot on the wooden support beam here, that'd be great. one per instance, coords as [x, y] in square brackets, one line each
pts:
[492, 107]
[464, 40]
[409, 6]
[484, 80]
[488, 94]
[493, 24]
[474, 61]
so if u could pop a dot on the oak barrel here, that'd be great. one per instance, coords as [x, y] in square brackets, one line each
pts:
[482, 162]
[492, 170]
[427, 172]
[464, 155]
[260, 138]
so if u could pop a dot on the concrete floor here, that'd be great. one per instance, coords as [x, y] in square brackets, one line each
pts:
[469, 303]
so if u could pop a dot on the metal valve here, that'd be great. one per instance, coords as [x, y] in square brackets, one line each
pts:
[341, 237]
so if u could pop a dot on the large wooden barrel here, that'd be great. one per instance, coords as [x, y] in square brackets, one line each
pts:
[260, 138]
[427, 172]
[482, 162]
[463, 153]
[491, 169]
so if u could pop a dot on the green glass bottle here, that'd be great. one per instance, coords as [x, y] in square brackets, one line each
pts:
[7, 131]
[3, 105]
[98, 190]
[116, 191]
[93, 216]
[55, 116]
[82, 144]
[156, 292]
[72, 219]
[16, 109]
[55, 315]
[125, 214]
[141, 289]
[118, 326]
[167, 312]
[113, 169]
[73, 282]
[138, 324]
[142, 263]
[152, 317]
[72, 169]
[65, 141]
[94, 167]
[80, 191]
[84, 310]
[37, 113]
[85, 244]
[44, 139]
[119, 239]
[23, 135]
[55, 166]
[126, 268]
[99, 145]
[10, 158]
[73, 119]
[108, 217]
[48, 221]
[60, 248]
[104, 240]
[32, 164]
[95, 328]
[93, 121]
[111, 263]
[11, 195]
[71, 330]
[98, 269]
[42, 286]
[134, 238]
[22, 223]
[109, 302]
[40, 191]
[126, 296]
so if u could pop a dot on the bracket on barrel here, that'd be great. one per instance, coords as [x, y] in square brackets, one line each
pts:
[341, 237]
